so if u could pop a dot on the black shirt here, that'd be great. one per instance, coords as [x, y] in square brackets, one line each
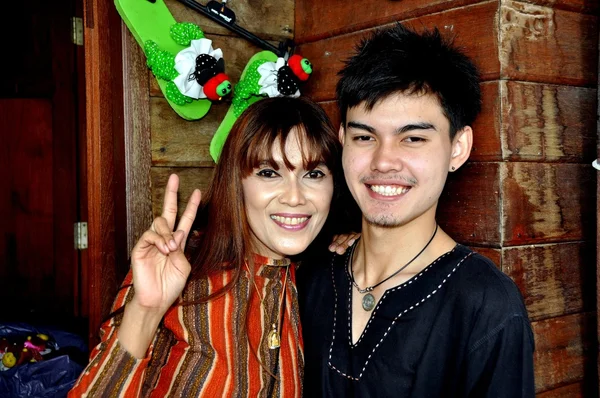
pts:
[459, 328]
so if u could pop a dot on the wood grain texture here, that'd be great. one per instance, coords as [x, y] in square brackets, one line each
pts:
[138, 157]
[473, 27]
[542, 44]
[316, 20]
[27, 259]
[190, 178]
[565, 350]
[575, 390]
[555, 279]
[180, 142]
[547, 123]
[107, 229]
[236, 53]
[267, 19]
[493, 254]
[469, 208]
[545, 203]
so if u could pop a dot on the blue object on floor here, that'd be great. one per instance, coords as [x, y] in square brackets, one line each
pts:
[52, 377]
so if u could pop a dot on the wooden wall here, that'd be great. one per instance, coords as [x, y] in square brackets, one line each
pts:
[527, 197]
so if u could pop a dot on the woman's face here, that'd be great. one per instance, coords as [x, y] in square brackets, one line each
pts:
[286, 208]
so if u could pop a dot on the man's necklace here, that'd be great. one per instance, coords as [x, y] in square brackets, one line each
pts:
[368, 300]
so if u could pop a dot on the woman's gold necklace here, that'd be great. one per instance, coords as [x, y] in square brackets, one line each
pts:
[274, 336]
[368, 300]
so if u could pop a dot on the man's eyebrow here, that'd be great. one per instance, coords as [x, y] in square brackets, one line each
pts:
[415, 126]
[360, 126]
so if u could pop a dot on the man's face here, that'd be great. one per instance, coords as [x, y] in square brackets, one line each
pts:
[397, 156]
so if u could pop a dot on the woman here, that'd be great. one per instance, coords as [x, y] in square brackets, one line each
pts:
[222, 320]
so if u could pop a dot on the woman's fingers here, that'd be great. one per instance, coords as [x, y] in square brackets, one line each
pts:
[149, 239]
[162, 227]
[342, 242]
[189, 215]
[169, 212]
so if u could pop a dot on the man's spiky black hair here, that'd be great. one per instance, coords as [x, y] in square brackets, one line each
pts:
[400, 60]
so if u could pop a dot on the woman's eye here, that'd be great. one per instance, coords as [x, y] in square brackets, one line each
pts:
[267, 173]
[314, 174]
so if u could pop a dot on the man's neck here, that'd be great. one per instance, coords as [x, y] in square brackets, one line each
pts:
[383, 250]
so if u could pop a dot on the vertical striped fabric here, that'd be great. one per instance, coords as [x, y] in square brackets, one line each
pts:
[201, 350]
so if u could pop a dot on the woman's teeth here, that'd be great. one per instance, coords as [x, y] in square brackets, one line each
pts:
[289, 220]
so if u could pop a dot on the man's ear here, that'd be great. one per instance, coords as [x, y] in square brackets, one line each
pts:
[342, 134]
[461, 147]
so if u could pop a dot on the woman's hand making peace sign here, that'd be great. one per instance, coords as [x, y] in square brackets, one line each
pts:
[160, 271]
[160, 268]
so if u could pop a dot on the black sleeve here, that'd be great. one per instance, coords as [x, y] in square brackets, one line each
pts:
[501, 363]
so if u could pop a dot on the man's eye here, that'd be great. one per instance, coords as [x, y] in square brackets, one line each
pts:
[362, 138]
[267, 173]
[414, 139]
[314, 174]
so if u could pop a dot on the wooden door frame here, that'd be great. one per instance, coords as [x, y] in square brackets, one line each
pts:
[115, 171]
[102, 174]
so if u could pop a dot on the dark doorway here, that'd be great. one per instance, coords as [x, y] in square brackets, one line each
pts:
[38, 162]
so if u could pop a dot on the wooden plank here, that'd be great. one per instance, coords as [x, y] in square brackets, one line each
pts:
[236, 53]
[493, 254]
[316, 20]
[545, 203]
[138, 157]
[180, 142]
[541, 44]
[555, 279]
[105, 169]
[190, 178]
[575, 390]
[469, 208]
[547, 122]
[474, 28]
[332, 110]
[486, 129]
[582, 6]
[565, 350]
[267, 19]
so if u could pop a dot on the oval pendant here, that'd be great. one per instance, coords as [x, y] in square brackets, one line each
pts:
[273, 338]
[368, 302]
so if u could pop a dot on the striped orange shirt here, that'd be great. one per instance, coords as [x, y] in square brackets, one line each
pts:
[201, 350]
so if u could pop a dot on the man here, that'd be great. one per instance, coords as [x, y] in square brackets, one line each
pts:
[408, 312]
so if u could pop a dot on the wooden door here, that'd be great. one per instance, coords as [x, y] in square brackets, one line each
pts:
[38, 162]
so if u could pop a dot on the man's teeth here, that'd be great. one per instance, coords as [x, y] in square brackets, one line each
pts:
[389, 190]
[289, 220]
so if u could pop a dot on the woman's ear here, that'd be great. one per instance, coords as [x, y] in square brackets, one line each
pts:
[461, 147]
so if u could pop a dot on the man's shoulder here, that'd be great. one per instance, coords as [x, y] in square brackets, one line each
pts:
[481, 284]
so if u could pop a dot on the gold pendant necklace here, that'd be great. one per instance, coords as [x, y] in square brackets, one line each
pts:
[274, 336]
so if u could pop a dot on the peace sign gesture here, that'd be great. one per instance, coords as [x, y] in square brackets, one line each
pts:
[159, 266]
